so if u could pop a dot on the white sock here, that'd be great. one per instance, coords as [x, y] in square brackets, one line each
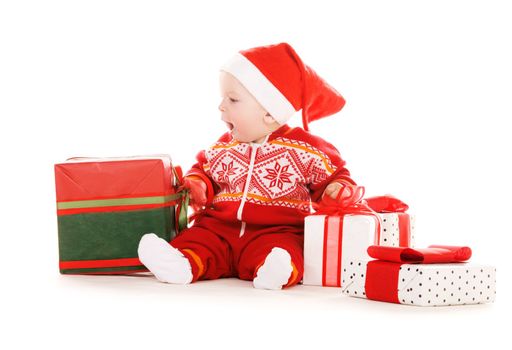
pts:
[167, 263]
[275, 271]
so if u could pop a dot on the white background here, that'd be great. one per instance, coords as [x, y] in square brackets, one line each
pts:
[428, 88]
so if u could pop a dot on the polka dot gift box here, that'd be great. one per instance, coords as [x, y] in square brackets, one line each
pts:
[435, 276]
[397, 226]
[397, 229]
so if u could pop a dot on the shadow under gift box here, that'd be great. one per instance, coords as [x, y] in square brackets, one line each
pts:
[104, 207]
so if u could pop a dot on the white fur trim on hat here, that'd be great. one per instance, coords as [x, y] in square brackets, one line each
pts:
[260, 87]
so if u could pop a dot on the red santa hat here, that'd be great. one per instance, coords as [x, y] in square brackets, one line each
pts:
[279, 80]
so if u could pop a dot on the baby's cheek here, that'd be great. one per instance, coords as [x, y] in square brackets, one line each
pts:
[244, 125]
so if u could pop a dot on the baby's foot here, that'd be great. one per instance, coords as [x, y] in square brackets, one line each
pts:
[167, 263]
[275, 271]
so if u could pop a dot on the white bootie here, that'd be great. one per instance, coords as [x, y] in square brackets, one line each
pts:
[275, 271]
[167, 263]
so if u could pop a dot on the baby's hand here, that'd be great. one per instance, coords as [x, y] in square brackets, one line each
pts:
[344, 194]
[333, 189]
[197, 189]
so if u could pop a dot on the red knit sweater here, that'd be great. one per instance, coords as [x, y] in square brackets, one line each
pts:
[291, 168]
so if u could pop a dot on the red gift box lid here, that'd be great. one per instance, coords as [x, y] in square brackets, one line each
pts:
[80, 179]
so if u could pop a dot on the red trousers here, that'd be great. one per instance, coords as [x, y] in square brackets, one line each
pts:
[216, 250]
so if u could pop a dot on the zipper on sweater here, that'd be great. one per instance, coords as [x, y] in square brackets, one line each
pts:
[254, 151]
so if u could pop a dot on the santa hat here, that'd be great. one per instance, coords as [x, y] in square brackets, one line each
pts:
[279, 80]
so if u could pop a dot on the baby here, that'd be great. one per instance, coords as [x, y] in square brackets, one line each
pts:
[254, 186]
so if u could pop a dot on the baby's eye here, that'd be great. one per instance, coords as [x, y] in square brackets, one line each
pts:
[233, 100]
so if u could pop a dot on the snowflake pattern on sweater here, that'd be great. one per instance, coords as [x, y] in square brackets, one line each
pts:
[290, 169]
[283, 169]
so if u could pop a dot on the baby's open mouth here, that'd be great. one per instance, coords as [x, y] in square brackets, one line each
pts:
[230, 126]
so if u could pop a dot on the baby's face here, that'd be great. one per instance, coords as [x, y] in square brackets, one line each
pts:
[242, 113]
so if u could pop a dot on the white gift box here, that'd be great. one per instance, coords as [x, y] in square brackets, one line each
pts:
[330, 242]
[429, 284]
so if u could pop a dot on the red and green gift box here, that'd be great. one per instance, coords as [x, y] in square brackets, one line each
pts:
[104, 207]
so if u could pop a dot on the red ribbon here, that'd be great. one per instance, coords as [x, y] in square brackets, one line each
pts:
[94, 264]
[382, 281]
[353, 204]
[387, 204]
[331, 264]
[404, 230]
[348, 202]
[434, 254]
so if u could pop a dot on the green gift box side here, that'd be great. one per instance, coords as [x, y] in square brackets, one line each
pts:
[109, 236]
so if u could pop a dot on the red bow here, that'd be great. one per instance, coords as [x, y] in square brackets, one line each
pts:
[434, 254]
[348, 201]
[387, 204]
